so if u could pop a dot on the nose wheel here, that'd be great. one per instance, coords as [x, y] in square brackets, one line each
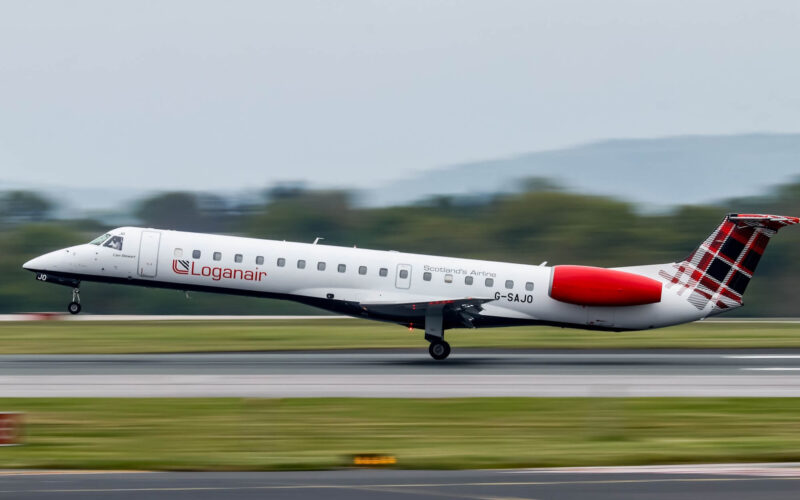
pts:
[74, 307]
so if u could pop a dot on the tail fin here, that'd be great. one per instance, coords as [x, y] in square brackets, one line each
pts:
[718, 271]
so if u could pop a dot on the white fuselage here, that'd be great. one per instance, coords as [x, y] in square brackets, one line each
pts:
[341, 278]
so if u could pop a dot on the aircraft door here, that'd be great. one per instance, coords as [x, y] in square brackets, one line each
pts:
[403, 279]
[148, 254]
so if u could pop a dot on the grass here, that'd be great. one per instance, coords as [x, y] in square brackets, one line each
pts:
[273, 434]
[269, 335]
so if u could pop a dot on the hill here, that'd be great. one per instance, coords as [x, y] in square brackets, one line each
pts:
[652, 172]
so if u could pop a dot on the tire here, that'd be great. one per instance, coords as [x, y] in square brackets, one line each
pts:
[439, 350]
[74, 308]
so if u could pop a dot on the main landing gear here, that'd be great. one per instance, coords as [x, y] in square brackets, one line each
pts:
[74, 307]
[434, 333]
[439, 349]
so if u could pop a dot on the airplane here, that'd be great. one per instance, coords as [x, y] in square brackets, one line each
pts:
[425, 291]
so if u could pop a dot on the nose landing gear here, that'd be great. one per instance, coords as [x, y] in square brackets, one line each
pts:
[74, 307]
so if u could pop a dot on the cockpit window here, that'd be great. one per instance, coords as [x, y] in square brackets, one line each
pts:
[100, 239]
[115, 242]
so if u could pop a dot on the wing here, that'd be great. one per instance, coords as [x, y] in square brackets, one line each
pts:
[461, 311]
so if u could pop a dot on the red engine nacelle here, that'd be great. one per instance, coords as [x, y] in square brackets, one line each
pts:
[595, 286]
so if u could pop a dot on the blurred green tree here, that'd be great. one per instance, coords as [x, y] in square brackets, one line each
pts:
[305, 215]
[186, 212]
[24, 206]
[169, 211]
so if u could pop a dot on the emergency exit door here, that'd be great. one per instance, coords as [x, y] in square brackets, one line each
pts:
[403, 279]
[148, 254]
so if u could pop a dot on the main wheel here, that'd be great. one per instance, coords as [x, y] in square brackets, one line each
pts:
[439, 350]
[74, 308]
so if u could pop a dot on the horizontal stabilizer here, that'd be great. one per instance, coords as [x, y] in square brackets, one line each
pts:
[773, 222]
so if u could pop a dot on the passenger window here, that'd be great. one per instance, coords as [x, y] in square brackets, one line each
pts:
[281, 262]
[195, 254]
[362, 270]
[403, 274]
[426, 276]
[217, 255]
[238, 258]
[342, 268]
[259, 260]
[178, 253]
[301, 264]
[529, 286]
[320, 266]
[115, 242]
[383, 272]
[448, 278]
[489, 282]
[509, 284]
[468, 280]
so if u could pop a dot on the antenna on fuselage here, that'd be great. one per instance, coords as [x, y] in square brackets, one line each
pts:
[317, 240]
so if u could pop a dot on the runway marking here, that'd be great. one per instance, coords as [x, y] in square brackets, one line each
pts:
[163, 317]
[780, 469]
[748, 384]
[70, 472]
[504, 498]
[755, 321]
[390, 489]
[408, 485]
[773, 369]
[763, 356]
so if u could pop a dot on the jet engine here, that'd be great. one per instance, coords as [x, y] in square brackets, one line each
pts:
[595, 286]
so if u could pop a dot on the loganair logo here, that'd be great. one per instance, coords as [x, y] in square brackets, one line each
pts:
[180, 266]
[216, 273]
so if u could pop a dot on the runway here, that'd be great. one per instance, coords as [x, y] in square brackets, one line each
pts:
[407, 373]
[735, 482]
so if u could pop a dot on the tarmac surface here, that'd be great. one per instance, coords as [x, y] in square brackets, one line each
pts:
[407, 373]
[729, 482]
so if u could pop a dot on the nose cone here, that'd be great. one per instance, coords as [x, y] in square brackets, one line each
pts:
[46, 262]
[34, 264]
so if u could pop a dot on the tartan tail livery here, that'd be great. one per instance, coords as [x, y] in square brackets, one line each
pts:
[715, 276]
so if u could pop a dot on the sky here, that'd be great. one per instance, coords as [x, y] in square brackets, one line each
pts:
[236, 94]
